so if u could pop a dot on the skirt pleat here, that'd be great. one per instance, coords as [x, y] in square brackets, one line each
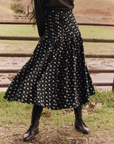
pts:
[56, 75]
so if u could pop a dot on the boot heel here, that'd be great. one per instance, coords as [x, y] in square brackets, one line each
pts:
[81, 128]
[30, 134]
[33, 130]
[79, 123]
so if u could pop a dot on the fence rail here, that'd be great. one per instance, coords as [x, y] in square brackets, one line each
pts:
[90, 70]
[3, 85]
[79, 23]
[24, 38]
[38, 38]
[30, 54]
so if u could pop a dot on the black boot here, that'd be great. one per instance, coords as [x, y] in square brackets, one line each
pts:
[33, 130]
[79, 123]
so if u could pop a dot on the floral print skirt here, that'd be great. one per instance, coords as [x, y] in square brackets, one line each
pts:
[56, 75]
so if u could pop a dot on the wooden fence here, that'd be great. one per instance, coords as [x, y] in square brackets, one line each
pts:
[37, 38]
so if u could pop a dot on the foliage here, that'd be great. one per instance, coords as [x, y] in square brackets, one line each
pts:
[17, 8]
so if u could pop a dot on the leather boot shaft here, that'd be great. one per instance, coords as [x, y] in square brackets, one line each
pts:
[33, 129]
[79, 123]
[36, 114]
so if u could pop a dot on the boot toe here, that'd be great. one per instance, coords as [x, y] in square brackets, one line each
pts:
[85, 130]
[29, 135]
[26, 135]
[80, 127]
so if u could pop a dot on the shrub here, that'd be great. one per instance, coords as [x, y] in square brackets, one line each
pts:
[17, 8]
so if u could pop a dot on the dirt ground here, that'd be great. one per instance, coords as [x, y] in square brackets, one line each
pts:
[54, 135]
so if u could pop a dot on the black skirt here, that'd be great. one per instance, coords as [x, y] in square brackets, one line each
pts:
[56, 75]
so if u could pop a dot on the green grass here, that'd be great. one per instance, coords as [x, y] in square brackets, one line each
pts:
[97, 32]
[101, 33]
[18, 113]
[102, 118]
[18, 30]
[30, 30]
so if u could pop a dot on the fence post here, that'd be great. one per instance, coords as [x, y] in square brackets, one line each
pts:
[113, 86]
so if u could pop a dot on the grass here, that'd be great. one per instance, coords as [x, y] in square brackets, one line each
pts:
[19, 114]
[59, 127]
[30, 30]
[102, 118]
[97, 32]
[101, 33]
[18, 30]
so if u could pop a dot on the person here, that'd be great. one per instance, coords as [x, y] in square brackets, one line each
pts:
[56, 75]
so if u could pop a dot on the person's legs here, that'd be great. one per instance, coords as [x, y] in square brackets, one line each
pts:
[79, 123]
[33, 130]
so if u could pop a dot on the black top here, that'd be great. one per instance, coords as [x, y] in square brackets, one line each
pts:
[59, 4]
[41, 5]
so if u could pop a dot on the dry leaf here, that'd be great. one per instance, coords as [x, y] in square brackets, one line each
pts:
[85, 111]
[86, 107]
[63, 111]
[112, 97]
[46, 115]
[93, 103]
[72, 112]
[98, 105]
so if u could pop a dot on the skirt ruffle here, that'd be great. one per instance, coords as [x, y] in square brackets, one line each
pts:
[56, 75]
